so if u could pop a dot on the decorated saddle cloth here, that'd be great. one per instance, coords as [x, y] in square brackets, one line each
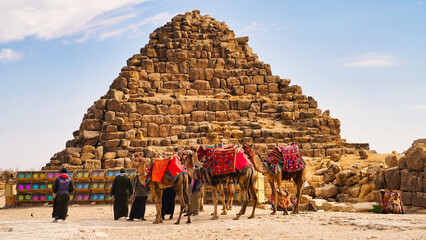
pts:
[285, 159]
[207, 153]
[292, 160]
[227, 160]
[172, 164]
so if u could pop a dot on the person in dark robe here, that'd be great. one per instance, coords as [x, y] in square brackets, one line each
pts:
[121, 189]
[62, 187]
[140, 195]
[168, 202]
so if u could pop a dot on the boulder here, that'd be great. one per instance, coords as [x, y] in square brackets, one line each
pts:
[365, 189]
[363, 207]
[321, 204]
[343, 176]
[321, 171]
[363, 154]
[416, 157]
[335, 157]
[328, 191]
[308, 190]
[330, 175]
[355, 190]
[391, 160]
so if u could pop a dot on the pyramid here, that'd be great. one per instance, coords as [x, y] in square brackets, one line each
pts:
[196, 83]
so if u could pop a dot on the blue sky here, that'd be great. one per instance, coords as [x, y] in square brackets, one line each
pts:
[363, 60]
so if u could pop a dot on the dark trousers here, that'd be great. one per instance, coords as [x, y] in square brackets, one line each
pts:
[138, 208]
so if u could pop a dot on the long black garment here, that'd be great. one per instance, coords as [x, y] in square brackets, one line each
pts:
[138, 208]
[60, 206]
[121, 189]
[168, 202]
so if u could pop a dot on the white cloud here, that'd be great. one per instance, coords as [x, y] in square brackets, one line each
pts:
[261, 28]
[419, 107]
[156, 20]
[49, 19]
[8, 55]
[370, 60]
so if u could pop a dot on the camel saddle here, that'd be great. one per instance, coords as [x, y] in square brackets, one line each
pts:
[166, 167]
[287, 159]
[228, 160]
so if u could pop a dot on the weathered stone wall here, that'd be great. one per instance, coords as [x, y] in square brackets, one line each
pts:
[409, 175]
[196, 83]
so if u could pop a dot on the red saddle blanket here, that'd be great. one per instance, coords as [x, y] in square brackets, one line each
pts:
[228, 160]
[291, 157]
[160, 166]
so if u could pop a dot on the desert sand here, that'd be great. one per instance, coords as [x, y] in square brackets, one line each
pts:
[96, 222]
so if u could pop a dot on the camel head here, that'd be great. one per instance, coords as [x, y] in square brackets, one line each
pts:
[186, 158]
[140, 161]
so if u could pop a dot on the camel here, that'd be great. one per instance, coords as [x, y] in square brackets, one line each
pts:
[391, 202]
[245, 177]
[227, 185]
[298, 178]
[180, 185]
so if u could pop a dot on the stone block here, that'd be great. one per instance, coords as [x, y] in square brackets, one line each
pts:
[201, 85]
[406, 198]
[152, 130]
[92, 164]
[188, 105]
[392, 178]
[418, 199]
[411, 181]
[218, 105]
[198, 116]
[110, 155]
[146, 109]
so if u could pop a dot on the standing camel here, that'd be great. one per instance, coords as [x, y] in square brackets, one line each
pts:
[245, 177]
[298, 177]
[180, 185]
[227, 184]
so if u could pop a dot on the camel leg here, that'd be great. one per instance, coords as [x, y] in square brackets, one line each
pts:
[214, 196]
[244, 199]
[274, 193]
[179, 190]
[253, 193]
[279, 182]
[299, 184]
[186, 198]
[158, 195]
[231, 192]
[222, 199]
[202, 199]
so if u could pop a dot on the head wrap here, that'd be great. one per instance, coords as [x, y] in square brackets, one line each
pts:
[64, 170]
[122, 170]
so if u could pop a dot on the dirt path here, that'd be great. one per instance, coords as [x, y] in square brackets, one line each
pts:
[95, 222]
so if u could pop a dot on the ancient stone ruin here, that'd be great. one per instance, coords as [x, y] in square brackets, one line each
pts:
[196, 83]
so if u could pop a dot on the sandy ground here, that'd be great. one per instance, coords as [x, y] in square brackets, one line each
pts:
[96, 222]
